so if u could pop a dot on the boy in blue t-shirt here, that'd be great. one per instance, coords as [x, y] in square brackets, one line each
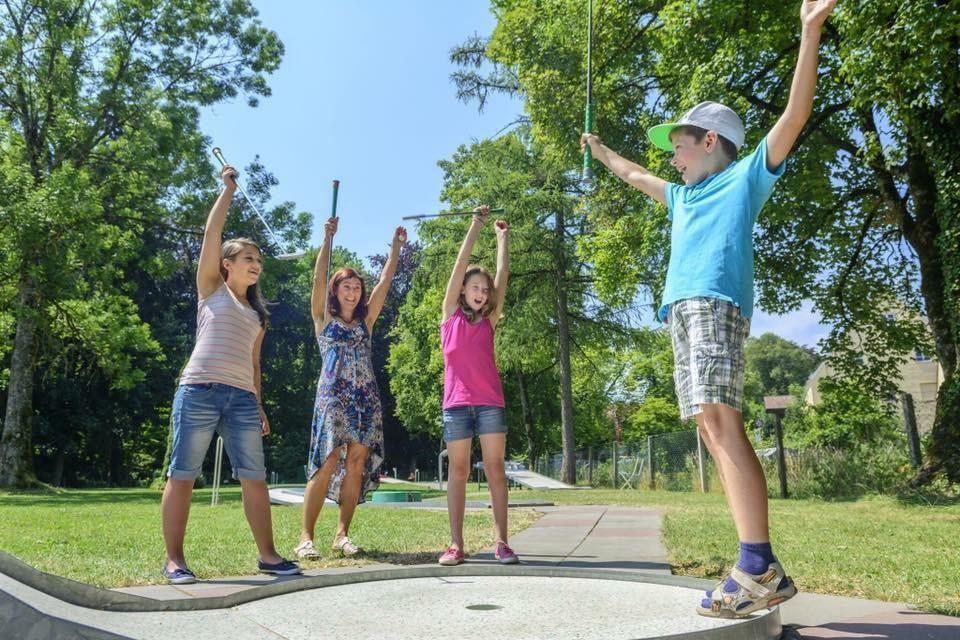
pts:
[708, 298]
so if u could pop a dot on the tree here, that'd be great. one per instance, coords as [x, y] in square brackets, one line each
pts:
[100, 152]
[866, 217]
[401, 447]
[779, 363]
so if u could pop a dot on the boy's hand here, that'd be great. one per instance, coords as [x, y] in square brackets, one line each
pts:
[590, 139]
[813, 13]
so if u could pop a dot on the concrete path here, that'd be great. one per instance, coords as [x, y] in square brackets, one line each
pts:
[595, 537]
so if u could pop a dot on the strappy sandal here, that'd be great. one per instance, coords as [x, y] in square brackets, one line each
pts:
[306, 551]
[345, 546]
[753, 593]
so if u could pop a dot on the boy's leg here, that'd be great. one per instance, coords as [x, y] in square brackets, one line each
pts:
[740, 472]
[708, 338]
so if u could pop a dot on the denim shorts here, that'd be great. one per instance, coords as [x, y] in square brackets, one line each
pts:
[708, 335]
[465, 422]
[201, 409]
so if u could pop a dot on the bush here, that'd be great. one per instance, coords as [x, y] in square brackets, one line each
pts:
[833, 473]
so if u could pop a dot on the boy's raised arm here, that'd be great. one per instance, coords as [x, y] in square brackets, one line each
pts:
[784, 134]
[630, 172]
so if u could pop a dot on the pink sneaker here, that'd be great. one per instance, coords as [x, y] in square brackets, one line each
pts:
[504, 554]
[451, 557]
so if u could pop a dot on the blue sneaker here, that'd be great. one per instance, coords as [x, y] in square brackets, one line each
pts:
[282, 568]
[179, 575]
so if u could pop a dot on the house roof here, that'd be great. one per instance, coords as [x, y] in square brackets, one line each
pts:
[777, 403]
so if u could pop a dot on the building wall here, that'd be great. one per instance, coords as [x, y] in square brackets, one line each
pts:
[920, 378]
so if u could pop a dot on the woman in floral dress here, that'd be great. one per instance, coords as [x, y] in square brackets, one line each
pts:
[346, 445]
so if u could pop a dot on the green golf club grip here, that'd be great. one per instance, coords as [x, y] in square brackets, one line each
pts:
[336, 190]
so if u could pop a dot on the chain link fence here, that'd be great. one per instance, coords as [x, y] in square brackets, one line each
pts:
[671, 461]
[679, 462]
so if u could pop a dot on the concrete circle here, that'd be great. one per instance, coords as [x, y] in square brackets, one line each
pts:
[502, 606]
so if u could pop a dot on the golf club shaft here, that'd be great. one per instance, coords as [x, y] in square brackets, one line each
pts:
[333, 214]
[587, 174]
[223, 162]
[449, 213]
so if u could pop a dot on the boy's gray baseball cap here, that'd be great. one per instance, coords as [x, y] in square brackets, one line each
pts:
[711, 116]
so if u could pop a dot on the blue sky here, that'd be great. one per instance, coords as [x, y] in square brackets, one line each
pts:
[364, 95]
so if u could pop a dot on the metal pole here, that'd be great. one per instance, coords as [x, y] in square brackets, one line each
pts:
[590, 466]
[587, 171]
[650, 460]
[616, 464]
[910, 425]
[781, 460]
[217, 461]
[701, 465]
[440, 458]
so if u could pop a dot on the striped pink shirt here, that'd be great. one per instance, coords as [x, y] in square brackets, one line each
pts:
[226, 333]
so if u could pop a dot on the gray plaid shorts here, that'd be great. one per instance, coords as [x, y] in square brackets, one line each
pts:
[708, 336]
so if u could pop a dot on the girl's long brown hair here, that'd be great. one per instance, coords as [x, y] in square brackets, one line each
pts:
[229, 251]
[489, 305]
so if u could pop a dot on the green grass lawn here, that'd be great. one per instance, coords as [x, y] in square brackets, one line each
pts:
[876, 547]
[111, 537]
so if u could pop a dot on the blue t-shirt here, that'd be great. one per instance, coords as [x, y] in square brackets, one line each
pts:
[711, 239]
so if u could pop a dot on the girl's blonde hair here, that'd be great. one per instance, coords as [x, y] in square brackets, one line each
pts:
[229, 251]
[489, 306]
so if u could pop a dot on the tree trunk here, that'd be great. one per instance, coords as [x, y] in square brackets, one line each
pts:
[568, 470]
[57, 480]
[943, 452]
[116, 461]
[527, 419]
[937, 254]
[16, 448]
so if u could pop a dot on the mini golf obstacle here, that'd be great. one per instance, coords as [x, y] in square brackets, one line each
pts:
[294, 496]
[419, 602]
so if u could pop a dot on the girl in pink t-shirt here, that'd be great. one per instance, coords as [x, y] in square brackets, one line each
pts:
[472, 393]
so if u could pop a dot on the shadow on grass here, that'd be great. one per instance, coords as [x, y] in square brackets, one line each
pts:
[915, 498]
[52, 497]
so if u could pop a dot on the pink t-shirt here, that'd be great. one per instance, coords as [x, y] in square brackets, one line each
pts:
[470, 375]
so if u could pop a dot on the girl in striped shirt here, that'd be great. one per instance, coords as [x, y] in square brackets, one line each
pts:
[219, 390]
